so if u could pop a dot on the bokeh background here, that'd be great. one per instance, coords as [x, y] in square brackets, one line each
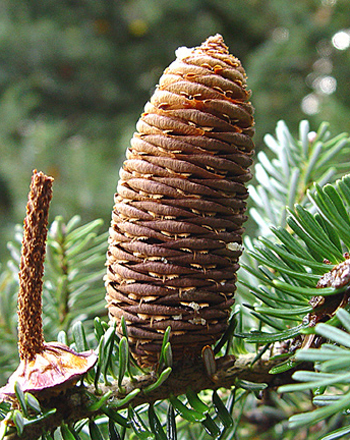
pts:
[75, 75]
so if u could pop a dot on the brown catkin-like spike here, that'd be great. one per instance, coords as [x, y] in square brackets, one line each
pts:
[175, 236]
[30, 332]
[44, 367]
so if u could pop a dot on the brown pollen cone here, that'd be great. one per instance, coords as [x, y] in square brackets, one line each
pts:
[175, 236]
[43, 366]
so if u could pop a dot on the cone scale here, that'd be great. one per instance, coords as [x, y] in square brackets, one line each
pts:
[175, 236]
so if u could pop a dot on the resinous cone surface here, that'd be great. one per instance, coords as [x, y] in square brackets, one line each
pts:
[175, 236]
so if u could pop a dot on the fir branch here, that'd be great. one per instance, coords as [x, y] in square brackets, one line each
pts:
[331, 379]
[73, 284]
[285, 174]
[75, 403]
[291, 263]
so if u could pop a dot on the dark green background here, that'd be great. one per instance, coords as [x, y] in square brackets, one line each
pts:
[75, 75]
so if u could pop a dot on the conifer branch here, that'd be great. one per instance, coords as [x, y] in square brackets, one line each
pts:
[74, 404]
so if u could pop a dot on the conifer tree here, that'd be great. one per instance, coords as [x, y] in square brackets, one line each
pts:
[288, 331]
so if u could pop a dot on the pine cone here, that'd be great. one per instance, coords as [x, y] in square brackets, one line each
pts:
[175, 236]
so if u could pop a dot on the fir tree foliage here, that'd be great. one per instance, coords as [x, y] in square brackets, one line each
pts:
[310, 233]
[288, 167]
[308, 223]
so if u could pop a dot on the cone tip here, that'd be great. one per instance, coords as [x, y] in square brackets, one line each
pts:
[214, 42]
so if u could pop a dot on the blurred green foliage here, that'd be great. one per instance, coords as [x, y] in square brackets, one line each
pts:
[75, 74]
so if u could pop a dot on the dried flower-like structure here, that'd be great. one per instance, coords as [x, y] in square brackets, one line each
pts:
[42, 365]
[175, 236]
[325, 307]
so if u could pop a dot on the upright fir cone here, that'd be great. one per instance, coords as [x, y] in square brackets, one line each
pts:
[176, 231]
